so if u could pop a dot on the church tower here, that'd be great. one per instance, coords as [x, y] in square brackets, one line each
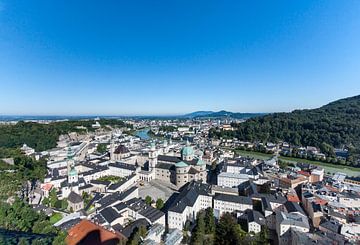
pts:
[166, 147]
[152, 157]
[73, 176]
[112, 148]
[70, 160]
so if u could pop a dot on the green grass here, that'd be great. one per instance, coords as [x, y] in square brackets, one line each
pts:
[111, 178]
[294, 159]
[254, 154]
[55, 218]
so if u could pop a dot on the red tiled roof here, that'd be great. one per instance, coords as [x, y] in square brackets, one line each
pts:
[320, 201]
[46, 186]
[293, 198]
[80, 231]
[304, 173]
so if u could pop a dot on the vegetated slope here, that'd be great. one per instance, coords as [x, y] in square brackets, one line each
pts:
[44, 136]
[336, 124]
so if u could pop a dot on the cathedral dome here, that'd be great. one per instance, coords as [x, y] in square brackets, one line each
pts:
[187, 151]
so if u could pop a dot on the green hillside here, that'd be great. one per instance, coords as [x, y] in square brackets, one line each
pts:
[44, 136]
[334, 125]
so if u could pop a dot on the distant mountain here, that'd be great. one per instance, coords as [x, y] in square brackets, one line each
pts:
[222, 114]
[334, 125]
[198, 114]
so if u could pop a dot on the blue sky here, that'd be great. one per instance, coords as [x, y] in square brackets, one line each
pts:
[178, 56]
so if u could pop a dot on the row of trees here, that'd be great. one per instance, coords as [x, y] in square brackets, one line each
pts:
[226, 232]
[159, 202]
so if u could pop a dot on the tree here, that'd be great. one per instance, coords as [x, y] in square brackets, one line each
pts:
[228, 232]
[53, 197]
[101, 148]
[159, 203]
[209, 221]
[262, 237]
[142, 231]
[39, 242]
[283, 164]
[137, 235]
[148, 200]
[23, 241]
[46, 201]
[60, 238]
[199, 230]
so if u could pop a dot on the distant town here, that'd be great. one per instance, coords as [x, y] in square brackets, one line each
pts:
[159, 181]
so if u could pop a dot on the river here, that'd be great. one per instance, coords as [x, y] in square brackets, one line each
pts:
[143, 134]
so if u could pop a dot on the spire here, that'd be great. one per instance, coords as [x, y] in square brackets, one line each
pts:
[152, 146]
[69, 153]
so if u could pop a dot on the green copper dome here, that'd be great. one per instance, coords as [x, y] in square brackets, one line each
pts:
[181, 164]
[187, 151]
[200, 162]
[72, 172]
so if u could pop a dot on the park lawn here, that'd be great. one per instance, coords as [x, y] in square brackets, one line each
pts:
[55, 218]
[255, 154]
[111, 178]
[294, 159]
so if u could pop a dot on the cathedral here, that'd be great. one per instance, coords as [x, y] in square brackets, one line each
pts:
[177, 170]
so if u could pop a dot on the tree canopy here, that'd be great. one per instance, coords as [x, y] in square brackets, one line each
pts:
[334, 125]
[44, 136]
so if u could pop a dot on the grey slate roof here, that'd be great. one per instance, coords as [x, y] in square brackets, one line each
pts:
[167, 166]
[128, 230]
[144, 209]
[122, 165]
[114, 197]
[74, 198]
[188, 195]
[109, 214]
[292, 207]
[233, 198]
[266, 204]
[331, 226]
[255, 216]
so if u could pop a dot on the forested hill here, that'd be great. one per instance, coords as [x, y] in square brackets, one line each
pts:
[336, 124]
[44, 136]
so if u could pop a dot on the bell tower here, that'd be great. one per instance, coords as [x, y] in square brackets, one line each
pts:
[152, 157]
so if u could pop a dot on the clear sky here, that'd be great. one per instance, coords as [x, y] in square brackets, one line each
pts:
[176, 56]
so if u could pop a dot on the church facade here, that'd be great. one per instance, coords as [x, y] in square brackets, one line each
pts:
[177, 170]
